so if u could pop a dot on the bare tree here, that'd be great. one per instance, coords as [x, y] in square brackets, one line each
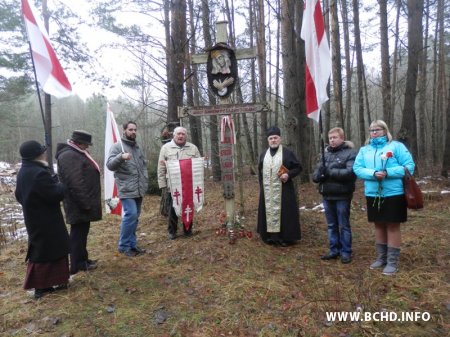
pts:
[298, 125]
[261, 59]
[408, 130]
[177, 58]
[192, 90]
[385, 64]
[336, 62]
[422, 88]
[348, 69]
[446, 161]
[395, 64]
[359, 71]
[215, 160]
[441, 80]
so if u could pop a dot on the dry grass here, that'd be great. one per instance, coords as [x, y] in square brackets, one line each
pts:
[206, 287]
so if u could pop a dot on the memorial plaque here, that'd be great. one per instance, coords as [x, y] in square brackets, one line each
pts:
[224, 109]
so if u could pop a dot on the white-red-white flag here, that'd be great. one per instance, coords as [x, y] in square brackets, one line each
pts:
[49, 72]
[113, 204]
[186, 179]
[318, 58]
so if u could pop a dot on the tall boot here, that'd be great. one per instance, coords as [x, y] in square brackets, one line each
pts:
[392, 261]
[381, 256]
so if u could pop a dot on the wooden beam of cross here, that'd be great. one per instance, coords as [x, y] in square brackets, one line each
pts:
[241, 54]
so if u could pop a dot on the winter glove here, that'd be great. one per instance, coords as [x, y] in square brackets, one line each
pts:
[323, 173]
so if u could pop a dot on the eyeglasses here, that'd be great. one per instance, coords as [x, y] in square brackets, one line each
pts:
[375, 130]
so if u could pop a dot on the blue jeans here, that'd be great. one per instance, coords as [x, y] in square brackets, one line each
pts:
[337, 213]
[131, 211]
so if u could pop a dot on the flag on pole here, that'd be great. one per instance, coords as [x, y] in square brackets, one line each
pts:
[318, 58]
[49, 72]
[113, 204]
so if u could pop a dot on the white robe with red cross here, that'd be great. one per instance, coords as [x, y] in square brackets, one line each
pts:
[186, 180]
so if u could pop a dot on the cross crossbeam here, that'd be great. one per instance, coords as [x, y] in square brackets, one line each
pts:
[241, 54]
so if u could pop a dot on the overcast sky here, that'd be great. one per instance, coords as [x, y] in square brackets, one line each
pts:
[117, 65]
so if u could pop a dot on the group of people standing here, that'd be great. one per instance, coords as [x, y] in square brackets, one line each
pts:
[380, 163]
[40, 193]
[77, 185]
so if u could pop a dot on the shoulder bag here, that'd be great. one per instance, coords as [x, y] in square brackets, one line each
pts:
[413, 194]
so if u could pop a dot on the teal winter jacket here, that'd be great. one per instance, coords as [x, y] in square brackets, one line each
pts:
[372, 158]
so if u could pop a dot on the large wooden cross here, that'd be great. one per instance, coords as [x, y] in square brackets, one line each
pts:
[225, 110]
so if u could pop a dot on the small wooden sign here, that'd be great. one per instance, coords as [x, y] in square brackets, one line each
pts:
[225, 109]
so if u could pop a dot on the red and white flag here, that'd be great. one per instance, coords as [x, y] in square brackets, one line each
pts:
[49, 72]
[113, 204]
[186, 181]
[318, 58]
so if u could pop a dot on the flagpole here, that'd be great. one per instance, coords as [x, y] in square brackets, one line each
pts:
[39, 97]
[322, 143]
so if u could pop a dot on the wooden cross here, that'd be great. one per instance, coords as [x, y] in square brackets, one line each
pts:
[198, 191]
[241, 54]
[225, 109]
[176, 194]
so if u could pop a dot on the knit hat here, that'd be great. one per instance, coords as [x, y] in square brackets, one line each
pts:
[273, 130]
[81, 137]
[31, 149]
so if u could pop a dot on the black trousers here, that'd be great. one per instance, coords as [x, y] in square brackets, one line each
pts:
[78, 242]
[172, 220]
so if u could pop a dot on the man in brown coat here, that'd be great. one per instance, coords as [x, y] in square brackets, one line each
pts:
[80, 175]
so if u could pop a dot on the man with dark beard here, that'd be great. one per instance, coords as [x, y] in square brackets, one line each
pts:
[278, 214]
[127, 161]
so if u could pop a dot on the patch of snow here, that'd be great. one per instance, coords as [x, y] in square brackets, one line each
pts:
[20, 233]
[8, 181]
[318, 208]
[4, 165]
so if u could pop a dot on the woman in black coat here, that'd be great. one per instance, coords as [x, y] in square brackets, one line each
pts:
[40, 195]
[80, 175]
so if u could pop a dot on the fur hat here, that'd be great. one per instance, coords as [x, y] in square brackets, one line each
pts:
[81, 137]
[273, 130]
[31, 149]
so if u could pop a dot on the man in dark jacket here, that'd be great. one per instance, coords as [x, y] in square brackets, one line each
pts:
[80, 174]
[337, 184]
[278, 214]
[127, 161]
[40, 195]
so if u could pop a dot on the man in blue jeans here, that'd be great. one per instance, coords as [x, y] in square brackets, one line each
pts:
[127, 161]
[336, 181]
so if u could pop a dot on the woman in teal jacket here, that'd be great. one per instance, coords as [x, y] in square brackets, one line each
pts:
[381, 164]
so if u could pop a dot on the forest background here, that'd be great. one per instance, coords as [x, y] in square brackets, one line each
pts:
[390, 61]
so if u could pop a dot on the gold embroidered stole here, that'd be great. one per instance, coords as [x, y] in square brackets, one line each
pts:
[272, 189]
